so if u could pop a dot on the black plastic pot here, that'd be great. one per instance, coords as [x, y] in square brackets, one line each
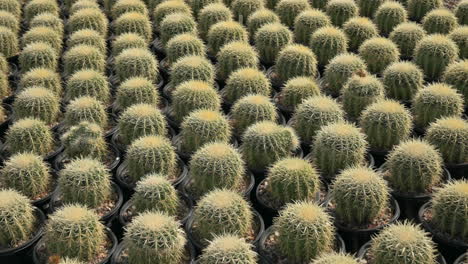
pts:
[379, 156]
[158, 48]
[461, 259]
[39, 258]
[448, 246]
[458, 171]
[23, 252]
[265, 256]
[286, 111]
[199, 247]
[363, 251]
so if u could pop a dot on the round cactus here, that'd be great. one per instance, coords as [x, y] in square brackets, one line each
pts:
[450, 136]
[402, 80]
[86, 240]
[42, 34]
[176, 23]
[18, 220]
[224, 32]
[210, 15]
[460, 36]
[435, 101]
[327, 42]
[368, 8]
[201, 127]
[288, 10]
[360, 195]
[155, 237]
[461, 12]
[11, 6]
[128, 6]
[334, 258]
[83, 4]
[359, 92]
[228, 248]
[28, 174]
[192, 68]
[305, 231]
[198, 5]
[87, 83]
[155, 192]
[222, 212]
[127, 41]
[9, 42]
[251, 109]
[313, 113]
[456, 75]
[85, 140]
[36, 7]
[140, 120]
[406, 36]
[86, 181]
[296, 60]
[341, 11]
[29, 135]
[339, 70]
[296, 90]
[38, 55]
[414, 166]
[136, 62]
[378, 53]
[242, 9]
[184, 45]
[37, 102]
[234, 56]
[134, 91]
[87, 37]
[83, 57]
[338, 146]
[358, 30]
[403, 243]
[270, 39]
[9, 20]
[85, 108]
[260, 18]
[417, 9]
[41, 77]
[151, 154]
[246, 81]
[88, 18]
[166, 8]
[48, 20]
[439, 21]
[307, 22]
[193, 95]
[389, 15]
[265, 142]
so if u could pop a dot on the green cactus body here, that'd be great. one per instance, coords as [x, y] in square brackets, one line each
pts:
[86, 181]
[368, 8]
[48, 20]
[359, 92]
[435, 101]
[242, 9]
[288, 10]
[85, 108]
[406, 36]
[358, 30]
[88, 83]
[228, 248]
[4, 65]
[18, 221]
[8, 20]
[265, 142]
[88, 18]
[37, 102]
[128, 6]
[151, 154]
[38, 55]
[11, 6]
[74, 231]
[192, 68]
[296, 60]
[193, 95]
[234, 56]
[313, 113]
[244, 82]
[417, 9]
[155, 237]
[184, 45]
[296, 90]
[140, 120]
[176, 23]
[456, 75]
[378, 53]
[338, 146]
[136, 62]
[36, 7]
[403, 243]
[450, 136]
[166, 8]
[334, 258]
[222, 212]
[127, 41]
[29, 135]
[42, 34]
[198, 5]
[341, 11]
[389, 15]
[4, 86]
[307, 22]
[439, 21]
[339, 70]
[270, 39]
[305, 231]
[85, 140]
[224, 32]
[136, 90]
[201, 127]
[155, 192]
[83, 4]
[26, 173]
[83, 57]
[327, 42]
[260, 18]
[460, 36]
[386, 123]
[461, 11]
[402, 80]
[87, 37]
[251, 109]
[9, 41]
[211, 15]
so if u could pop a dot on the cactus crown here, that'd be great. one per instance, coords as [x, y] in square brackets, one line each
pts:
[82, 57]
[29, 135]
[37, 102]
[270, 39]
[85, 140]
[358, 30]
[378, 53]
[42, 34]
[296, 90]
[406, 36]
[339, 70]
[341, 10]
[251, 109]
[246, 81]
[259, 18]
[136, 62]
[449, 135]
[441, 21]
[327, 42]
[185, 44]
[126, 6]
[136, 90]
[127, 41]
[176, 23]
[192, 68]
[88, 18]
[210, 15]
[402, 80]
[38, 55]
[296, 60]
[224, 32]
[233, 56]
[48, 20]
[87, 37]
[335, 258]
[228, 248]
[85, 108]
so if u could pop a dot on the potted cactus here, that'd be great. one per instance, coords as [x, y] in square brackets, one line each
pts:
[456, 75]
[307, 22]
[10, 47]
[211, 14]
[378, 53]
[41, 77]
[326, 43]
[234, 56]
[37, 102]
[85, 108]
[402, 81]
[260, 18]
[135, 62]
[417, 9]
[88, 18]
[133, 22]
[389, 16]
[294, 91]
[179, 46]
[45, 35]
[439, 21]
[38, 55]
[83, 57]
[174, 24]
[406, 36]
[358, 30]
[137, 90]
[288, 10]
[459, 35]
[161, 9]
[225, 32]
[126, 41]
[270, 39]
[88, 83]
[228, 249]
[341, 11]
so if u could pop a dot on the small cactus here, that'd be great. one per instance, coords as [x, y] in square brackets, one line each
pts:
[334, 258]
[406, 36]
[402, 80]
[87, 37]
[341, 11]
[28, 174]
[155, 237]
[38, 55]
[128, 6]
[439, 21]
[270, 39]
[339, 70]
[450, 136]
[307, 22]
[86, 181]
[83, 57]
[233, 56]
[288, 10]
[18, 220]
[296, 90]
[136, 90]
[42, 34]
[338, 146]
[201, 127]
[224, 32]
[166, 8]
[389, 15]
[327, 42]
[75, 232]
[155, 192]
[368, 8]
[36, 7]
[456, 75]
[244, 82]
[305, 231]
[435, 101]
[210, 15]
[41, 77]
[228, 249]
[85, 140]
[313, 113]
[417, 9]
[87, 83]
[136, 62]
[184, 45]
[140, 120]
[461, 12]
[192, 68]
[88, 18]
[85, 108]
[378, 53]
[358, 30]
[37, 102]
[29, 135]
[176, 23]
[12, 6]
[265, 142]
[9, 20]
[296, 60]
[48, 20]
[251, 109]
[260, 18]
[460, 36]
[198, 5]
[359, 92]
[9, 42]
[127, 41]
[242, 9]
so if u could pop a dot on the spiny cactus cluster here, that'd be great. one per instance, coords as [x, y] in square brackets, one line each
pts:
[307, 22]
[270, 39]
[140, 120]
[29, 135]
[339, 70]
[251, 109]
[327, 42]
[297, 89]
[85, 140]
[294, 61]
[244, 82]
[134, 91]
[234, 56]
[155, 192]
[449, 135]
[389, 16]
[406, 36]
[402, 81]
[37, 102]
[85, 108]
[228, 248]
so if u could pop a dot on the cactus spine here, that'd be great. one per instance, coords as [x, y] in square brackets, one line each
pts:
[450, 136]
